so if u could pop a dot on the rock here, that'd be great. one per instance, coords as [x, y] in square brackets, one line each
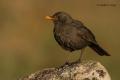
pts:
[86, 70]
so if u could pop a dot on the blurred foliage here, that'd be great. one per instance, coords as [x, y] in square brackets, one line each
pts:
[26, 38]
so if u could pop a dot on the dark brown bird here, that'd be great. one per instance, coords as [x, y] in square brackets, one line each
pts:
[72, 34]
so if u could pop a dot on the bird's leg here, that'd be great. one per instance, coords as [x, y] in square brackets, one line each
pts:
[81, 54]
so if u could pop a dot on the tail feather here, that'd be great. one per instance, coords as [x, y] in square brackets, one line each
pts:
[98, 49]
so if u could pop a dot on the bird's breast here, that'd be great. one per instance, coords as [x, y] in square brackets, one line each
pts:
[66, 33]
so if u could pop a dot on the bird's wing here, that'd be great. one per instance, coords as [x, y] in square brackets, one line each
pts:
[85, 33]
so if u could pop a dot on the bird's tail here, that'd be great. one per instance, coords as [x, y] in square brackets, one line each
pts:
[98, 49]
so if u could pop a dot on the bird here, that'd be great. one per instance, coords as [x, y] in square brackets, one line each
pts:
[73, 35]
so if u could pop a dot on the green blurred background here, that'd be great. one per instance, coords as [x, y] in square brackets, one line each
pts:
[26, 38]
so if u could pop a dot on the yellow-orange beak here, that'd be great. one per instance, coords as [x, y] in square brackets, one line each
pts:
[49, 18]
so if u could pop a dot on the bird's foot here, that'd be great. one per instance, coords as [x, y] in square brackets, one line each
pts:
[66, 63]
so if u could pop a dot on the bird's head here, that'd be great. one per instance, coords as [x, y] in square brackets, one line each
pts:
[60, 17]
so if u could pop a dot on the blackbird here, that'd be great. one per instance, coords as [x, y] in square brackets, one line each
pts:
[72, 34]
